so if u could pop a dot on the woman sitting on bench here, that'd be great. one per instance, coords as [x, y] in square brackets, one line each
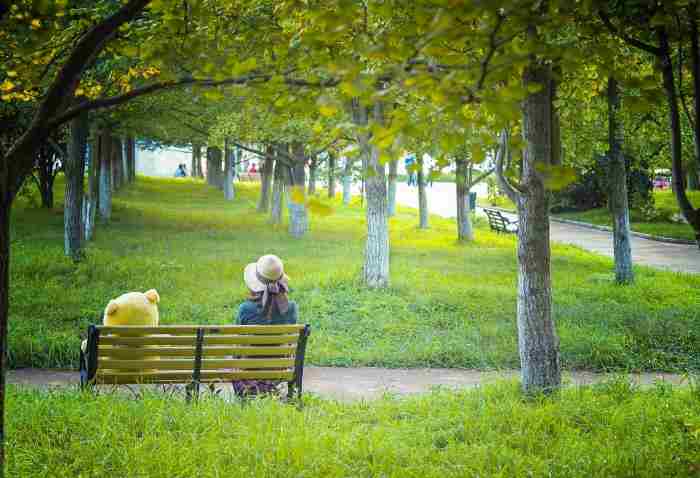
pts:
[267, 304]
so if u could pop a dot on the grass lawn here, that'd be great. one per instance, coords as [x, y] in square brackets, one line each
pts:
[449, 305]
[607, 430]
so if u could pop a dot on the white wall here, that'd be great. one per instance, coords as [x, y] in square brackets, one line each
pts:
[162, 162]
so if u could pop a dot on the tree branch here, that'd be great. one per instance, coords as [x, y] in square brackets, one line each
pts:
[481, 177]
[509, 189]
[656, 51]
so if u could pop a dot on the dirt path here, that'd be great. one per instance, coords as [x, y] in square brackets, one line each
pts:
[349, 384]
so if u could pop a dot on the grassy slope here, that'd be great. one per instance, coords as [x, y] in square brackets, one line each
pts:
[449, 305]
[608, 430]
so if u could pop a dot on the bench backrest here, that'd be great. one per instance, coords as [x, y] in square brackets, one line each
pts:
[195, 354]
[496, 220]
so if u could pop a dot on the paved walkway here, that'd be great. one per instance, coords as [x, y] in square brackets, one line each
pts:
[348, 384]
[676, 257]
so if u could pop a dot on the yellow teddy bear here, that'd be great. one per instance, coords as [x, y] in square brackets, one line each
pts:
[132, 308]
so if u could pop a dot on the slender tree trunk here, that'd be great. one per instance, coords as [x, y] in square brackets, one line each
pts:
[465, 231]
[376, 268]
[347, 182]
[618, 189]
[131, 159]
[313, 166]
[46, 178]
[229, 192]
[217, 175]
[331, 175]
[75, 172]
[106, 144]
[422, 195]
[278, 187]
[266, 182]
[5, 209]
[537, 337]
[694, 163]
[117, 173]
[298, 214]
[123, 155]
[196, 158]
[90, 199]
[391, 195]
[689, 213]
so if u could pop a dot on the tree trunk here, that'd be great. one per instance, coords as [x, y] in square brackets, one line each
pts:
[90, 198]
[131, 159]
[123, 154]
[74, 169]
[5, 210]
[266, 182]
[217, 164]
[694, 163]
[537, 337]
[210, 166]
[391, 199]
[298, 214]
[376, 268]
[313, 166]
[229, 192]
[618, 189]
[689, 213]
[422, 195]
[196, 160]
[465, 232]
[331, 175]
[106, 145]
[278, 187]
[347, 182]
[117, 164]
[46, 177]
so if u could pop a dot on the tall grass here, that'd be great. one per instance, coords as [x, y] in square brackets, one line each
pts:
[608, 431]
[449, 305]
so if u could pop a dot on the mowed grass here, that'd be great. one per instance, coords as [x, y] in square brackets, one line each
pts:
[449, 305]
[607, 430]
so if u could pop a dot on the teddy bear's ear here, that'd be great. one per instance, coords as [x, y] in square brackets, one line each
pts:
[152, 296]
[112, 307]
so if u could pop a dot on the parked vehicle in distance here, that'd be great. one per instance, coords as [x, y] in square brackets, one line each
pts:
[662, 182]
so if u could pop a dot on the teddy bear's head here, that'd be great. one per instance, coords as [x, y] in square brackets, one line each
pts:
[133, 308]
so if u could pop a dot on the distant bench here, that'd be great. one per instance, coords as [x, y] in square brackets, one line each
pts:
[499, 223]
[249, 177]
[194, 355]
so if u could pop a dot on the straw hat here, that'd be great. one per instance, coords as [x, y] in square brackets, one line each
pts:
[268, 268]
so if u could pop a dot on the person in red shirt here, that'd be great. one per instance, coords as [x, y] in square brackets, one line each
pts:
[253, 169]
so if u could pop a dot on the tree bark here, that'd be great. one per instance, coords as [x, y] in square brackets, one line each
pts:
[298, 214]
[376, 268]
[5, 210]
[689, 213]
[75, 172]
[331, 175]
[313, 166]
[196, 161]
[210, 166]
[422, 195]
[391, 195]
[217, 164]
[619, 207]
[106, 145]
[90, 198]
[537, 337]
[465, 231]
[117, 164]
[229, 192]
[694, 163]
[131, 159]
[278, 188]
[347, 182]
[266, 182]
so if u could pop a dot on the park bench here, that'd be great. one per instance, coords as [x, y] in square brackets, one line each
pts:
[194, 355]
[499, 223]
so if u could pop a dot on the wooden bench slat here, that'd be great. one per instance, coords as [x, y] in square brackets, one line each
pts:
[185, 376]
[135, 331]
[188, 364]
[126, 353]
[190, 340]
